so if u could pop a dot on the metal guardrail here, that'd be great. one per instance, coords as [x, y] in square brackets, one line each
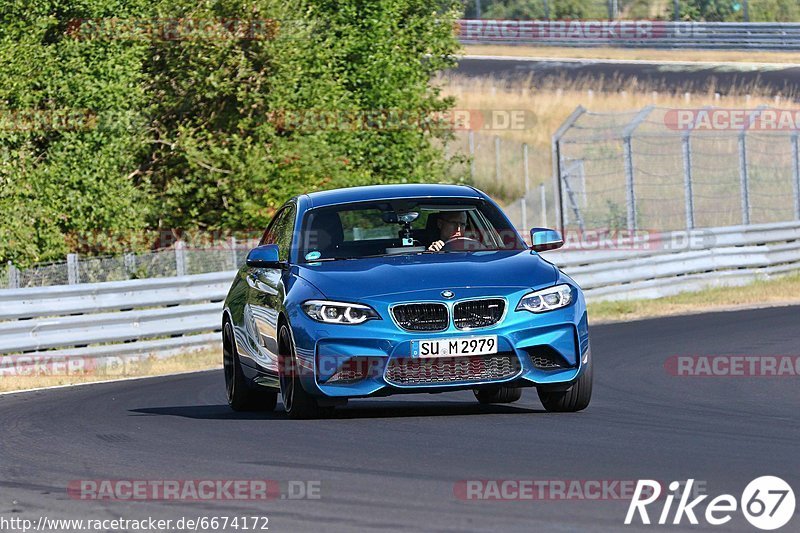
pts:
[633, 34]
[726, 256]
[166, 315]
[109, 319]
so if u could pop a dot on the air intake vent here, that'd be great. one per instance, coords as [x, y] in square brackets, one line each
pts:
[478, 313]
[408, 371]
[421, 317]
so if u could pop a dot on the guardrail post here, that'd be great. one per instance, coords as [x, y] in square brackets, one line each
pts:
[180, 258]
[543, 201]
[73, 276]
[687, 180]
[471, 139]
[796, 174]
[497, 175]
[13, 276]
[234, 259]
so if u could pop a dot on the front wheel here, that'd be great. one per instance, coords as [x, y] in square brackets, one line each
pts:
[241, 395]
[498, 395]
[296, 401]
[575, 399]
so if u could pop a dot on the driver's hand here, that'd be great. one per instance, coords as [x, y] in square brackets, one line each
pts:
[436, 246]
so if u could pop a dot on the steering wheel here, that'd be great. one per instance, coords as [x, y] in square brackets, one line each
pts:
[462, 244]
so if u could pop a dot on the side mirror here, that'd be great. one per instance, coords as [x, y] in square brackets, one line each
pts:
[265, 256]
[543, 239]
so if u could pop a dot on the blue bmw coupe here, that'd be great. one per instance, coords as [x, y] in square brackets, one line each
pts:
[392, 289]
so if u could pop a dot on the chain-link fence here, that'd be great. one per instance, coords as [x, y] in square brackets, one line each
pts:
[665, 169]
[177, 260]
[506, 168]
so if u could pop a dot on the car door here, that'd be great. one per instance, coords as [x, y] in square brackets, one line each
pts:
[265, 293]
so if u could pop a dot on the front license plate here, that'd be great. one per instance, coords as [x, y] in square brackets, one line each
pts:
[455, 347]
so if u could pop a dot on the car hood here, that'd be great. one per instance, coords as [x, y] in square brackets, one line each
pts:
[401, 274]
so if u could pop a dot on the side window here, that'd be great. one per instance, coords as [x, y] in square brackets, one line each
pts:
[280, 232]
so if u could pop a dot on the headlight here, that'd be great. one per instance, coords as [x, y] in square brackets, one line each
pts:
[339, 312]
[546, 299]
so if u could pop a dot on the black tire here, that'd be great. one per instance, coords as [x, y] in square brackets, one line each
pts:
[297, 402]
[498, 395]
[575, 399]
[242, 396]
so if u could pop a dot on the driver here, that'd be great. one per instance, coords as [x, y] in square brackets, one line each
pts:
[451, 226]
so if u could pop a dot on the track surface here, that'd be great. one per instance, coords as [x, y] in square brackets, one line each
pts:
[390, 464]
[697, 77]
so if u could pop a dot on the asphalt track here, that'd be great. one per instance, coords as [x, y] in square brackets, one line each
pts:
[666, 76]
[391, 464]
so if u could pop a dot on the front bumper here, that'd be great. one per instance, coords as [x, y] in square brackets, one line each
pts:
[368, 355]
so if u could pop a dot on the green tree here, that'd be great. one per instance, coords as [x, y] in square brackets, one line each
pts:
[185, 133]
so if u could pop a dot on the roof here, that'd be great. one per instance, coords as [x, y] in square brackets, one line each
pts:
[388, 192]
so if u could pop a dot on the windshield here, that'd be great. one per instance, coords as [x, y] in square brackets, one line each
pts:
[353, 231]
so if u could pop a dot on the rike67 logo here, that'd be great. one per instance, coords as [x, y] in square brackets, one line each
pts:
[767, 502]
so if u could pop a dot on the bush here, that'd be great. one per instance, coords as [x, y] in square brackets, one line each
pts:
[182, 134]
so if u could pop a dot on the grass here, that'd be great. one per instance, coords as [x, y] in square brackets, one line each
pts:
[47, 375]
[644, 54]
[782, 290]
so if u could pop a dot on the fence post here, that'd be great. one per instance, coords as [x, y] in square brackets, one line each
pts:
[630, 193]
[628, 161]
[523, 208]
[687, 180]
[743, 178]
[130, 263]
[73, 277]
[234, 259]
[180, 258]
[543, 201]
[796, 174]
[13, 276]
[555, 150]
[525, 171]
[497, 175]
[471, 139]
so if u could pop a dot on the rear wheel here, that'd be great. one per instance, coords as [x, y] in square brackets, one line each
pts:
[296, 401]
[498, 395]
[575, 399]
[241, 395]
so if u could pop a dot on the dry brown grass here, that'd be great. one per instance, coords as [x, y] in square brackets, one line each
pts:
[551, 103]
[132, 367]
[636, 54]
